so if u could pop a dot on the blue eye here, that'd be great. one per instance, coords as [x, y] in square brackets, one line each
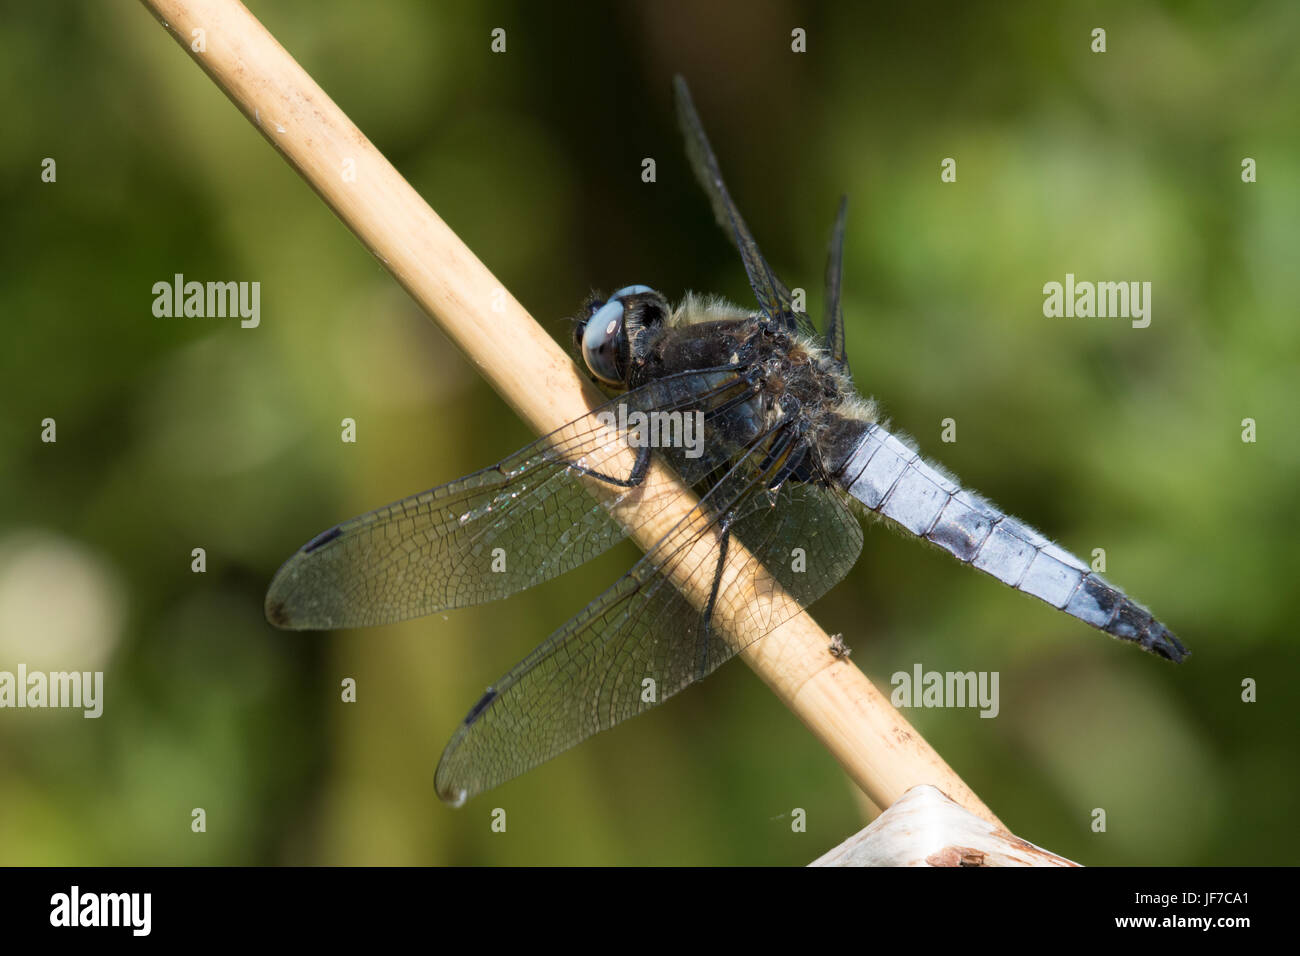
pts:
[603, 341]
[631, 290]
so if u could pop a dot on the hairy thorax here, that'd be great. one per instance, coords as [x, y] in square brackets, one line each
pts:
[789, 374]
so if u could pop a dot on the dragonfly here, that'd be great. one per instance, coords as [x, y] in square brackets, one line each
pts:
[756, 413]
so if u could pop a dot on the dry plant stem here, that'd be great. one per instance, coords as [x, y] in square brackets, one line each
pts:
[875, 745]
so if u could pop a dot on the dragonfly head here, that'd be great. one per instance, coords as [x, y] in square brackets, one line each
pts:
[608, 332]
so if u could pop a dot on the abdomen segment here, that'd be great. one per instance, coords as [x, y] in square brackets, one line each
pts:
[893, 480]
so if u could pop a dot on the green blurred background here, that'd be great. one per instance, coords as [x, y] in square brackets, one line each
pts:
[175, 433]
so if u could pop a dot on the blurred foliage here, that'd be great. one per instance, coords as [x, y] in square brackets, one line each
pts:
[175, 433]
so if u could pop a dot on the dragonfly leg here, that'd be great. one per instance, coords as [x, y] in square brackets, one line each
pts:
[706, 631]
[787, 462]
[639, 469]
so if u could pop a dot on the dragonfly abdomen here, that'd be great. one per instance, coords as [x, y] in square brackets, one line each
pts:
[892, 479]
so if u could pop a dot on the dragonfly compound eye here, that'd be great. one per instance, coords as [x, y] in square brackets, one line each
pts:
[604, 343]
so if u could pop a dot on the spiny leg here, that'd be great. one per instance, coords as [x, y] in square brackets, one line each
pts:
[706, 630]
[639, 469]
[790, 456]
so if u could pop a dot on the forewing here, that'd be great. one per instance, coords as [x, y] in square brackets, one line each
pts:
[642, 641]
[834, 277]
[773, 297]
[492, 533]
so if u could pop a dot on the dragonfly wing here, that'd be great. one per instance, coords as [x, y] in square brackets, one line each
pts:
[834, 276]
[773, 297]
[525, 520]
[642, 641]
